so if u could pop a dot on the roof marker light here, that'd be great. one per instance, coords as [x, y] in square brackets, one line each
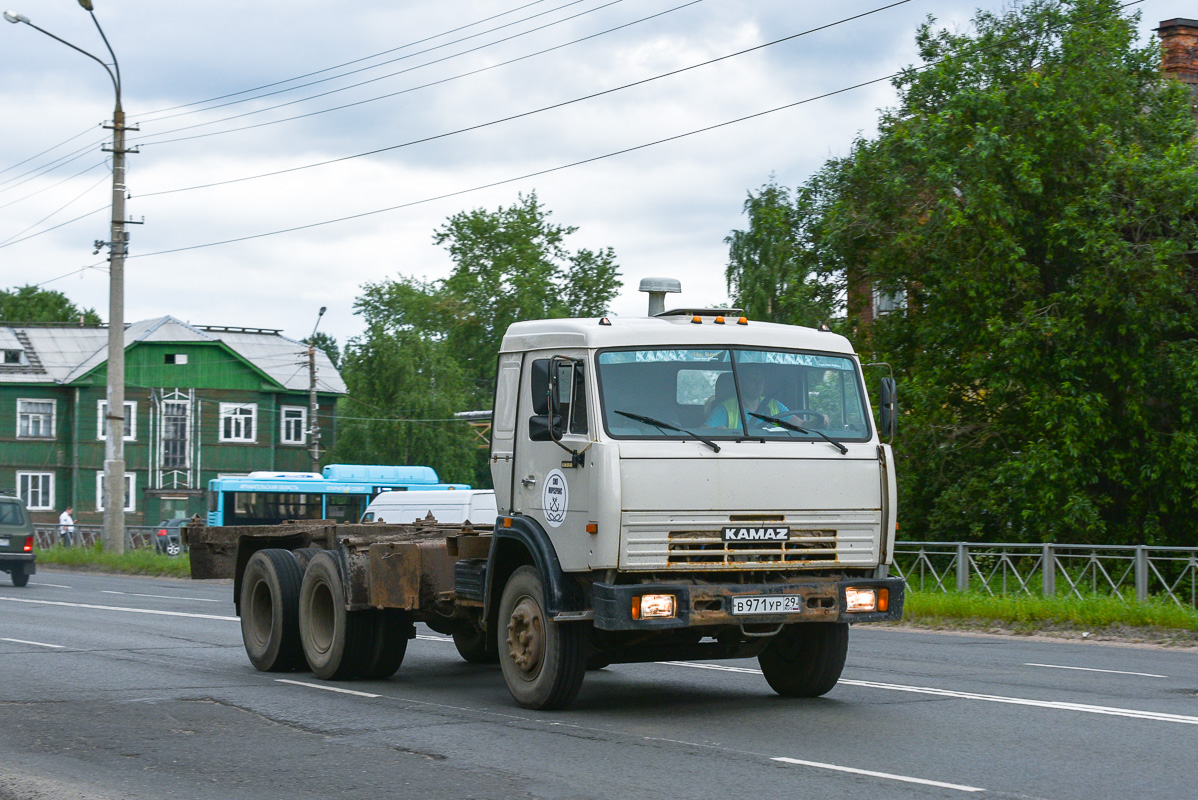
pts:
[697, 320]
[743, 321]
[719, 320]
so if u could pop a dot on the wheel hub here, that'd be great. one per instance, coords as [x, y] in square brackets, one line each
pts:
[526, 636]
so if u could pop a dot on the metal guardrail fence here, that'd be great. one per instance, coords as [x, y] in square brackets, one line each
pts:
[1133, 573]
[136, 536]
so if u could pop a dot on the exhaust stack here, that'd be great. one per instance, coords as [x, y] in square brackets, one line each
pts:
[658, 288]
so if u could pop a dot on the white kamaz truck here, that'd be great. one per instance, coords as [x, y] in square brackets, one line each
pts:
[688, 485]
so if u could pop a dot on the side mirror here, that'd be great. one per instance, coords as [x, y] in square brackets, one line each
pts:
[888, 411]
[539, 429]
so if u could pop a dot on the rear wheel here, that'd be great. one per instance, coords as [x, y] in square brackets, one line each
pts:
[336, 641]
[806, 659]
[543, 662]
[269, 611]
[19, 576]
[390, 631]
[471, 642]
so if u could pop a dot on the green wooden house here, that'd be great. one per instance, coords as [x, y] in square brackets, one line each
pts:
[200, 402]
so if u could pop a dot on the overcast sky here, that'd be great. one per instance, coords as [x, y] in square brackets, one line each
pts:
[665, 208]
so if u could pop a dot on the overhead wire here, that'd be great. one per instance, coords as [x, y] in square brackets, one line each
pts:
[523, 114]
[401, 58]
[10, 239]
[581, 162]
[348, 63]
[390, 94]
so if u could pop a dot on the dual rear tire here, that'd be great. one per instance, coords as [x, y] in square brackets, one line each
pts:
[293, 615]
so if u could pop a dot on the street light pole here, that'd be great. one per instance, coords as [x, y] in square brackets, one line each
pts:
[114, 445]
[313, 421]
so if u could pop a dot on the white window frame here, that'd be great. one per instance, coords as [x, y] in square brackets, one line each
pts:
[233, 412]
[130, 420]
[130, 489]
[23, 491]
[53, 417]
[303, 424]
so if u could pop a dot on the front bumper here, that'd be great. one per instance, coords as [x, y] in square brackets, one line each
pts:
[704, 604]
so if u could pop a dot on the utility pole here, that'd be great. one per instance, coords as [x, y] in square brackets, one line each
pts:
[118, 248]
[313, 422]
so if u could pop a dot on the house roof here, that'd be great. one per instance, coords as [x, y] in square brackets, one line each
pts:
[62, 354]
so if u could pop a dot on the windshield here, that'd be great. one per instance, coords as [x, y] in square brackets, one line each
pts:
[725, 393]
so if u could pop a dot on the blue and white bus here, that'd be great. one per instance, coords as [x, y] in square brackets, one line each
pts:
[340, 493]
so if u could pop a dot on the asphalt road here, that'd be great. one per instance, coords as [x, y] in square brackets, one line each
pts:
[131, 688]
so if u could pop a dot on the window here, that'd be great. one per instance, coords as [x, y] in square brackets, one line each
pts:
[130, 420]
[35, 419]
[295, 423]
[12, 356]
[237, 421]
[175, 358]
[36, 489]
[130, 497]
[174, 434]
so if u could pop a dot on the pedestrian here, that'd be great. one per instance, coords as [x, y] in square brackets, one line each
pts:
[66, 526]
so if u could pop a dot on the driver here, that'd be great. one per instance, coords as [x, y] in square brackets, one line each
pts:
[726, 414]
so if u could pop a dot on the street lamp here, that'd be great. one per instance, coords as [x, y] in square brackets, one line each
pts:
[118, 247]
[313, 422]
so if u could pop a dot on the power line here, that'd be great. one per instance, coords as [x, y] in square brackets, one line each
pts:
[534, 111]
[10, 239]
[391, 94]
[391, 61]
[53, 185]
[11, 242]
[47, 150]
[345, 64]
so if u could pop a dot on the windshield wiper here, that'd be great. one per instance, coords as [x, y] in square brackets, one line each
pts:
[656, 423]
[791, 426]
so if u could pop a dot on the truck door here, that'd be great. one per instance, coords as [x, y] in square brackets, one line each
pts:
[551, 481]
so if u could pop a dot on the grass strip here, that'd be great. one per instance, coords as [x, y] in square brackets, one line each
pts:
[1090, 611]
[143, 561]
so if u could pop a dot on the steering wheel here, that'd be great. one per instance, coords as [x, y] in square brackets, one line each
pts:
[806, 415]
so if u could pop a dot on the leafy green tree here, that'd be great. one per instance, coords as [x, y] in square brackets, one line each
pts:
[430, 348]
[30, 304]
[328, 344]
[403, 392]
[1035, 194]
[509, 265]
[770, 272]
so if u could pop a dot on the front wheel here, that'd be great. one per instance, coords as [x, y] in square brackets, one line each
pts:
[543, 662]
[806, 659]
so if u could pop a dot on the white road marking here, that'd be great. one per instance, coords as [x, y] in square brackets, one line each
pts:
[55, 585]
[433, 638]
[1111, 711]
[1092, 669]
[336, 689]
[886, 775]
[38, 644]
[163, 596]
[118, 608]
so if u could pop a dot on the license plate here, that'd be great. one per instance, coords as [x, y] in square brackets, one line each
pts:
[4, 542]
[734, 533]
[767, 604]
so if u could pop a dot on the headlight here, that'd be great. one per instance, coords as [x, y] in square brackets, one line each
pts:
[653, 606]
[868, 599]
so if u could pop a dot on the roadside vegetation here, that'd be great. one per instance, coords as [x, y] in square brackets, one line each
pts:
[1102, 616]
[132, 562]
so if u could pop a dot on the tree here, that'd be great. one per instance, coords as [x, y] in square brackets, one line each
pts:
[403, 392]
[430, 348]
[328, 344]
[769, 272]
[1035, 194]
[30, 304]
[509, 265]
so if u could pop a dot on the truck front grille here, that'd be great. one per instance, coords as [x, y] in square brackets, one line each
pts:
[702, 548]
[655, 540]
